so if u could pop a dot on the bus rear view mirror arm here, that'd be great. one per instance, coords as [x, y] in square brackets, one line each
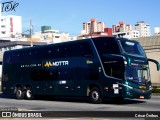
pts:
[156, 62]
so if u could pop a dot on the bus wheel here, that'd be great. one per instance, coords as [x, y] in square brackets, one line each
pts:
[19, 93]
[29, 93]
[95, 95]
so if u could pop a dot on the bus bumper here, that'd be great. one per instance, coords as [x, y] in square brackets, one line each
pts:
[138, 93]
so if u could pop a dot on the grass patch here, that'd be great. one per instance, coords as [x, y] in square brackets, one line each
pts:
[155, 90]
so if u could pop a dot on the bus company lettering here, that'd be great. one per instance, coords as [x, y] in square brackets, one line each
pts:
[57, 63]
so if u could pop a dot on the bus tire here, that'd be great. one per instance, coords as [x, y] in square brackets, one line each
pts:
[95, 96]
[19, 93]
[29, 93]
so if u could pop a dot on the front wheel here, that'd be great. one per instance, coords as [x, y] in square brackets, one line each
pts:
[95, 96]
[29, 93]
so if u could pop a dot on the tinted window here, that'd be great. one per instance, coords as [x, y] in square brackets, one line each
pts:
[79, 49]
[42, 75]
[26, 55]
[57, 74]
[106, 45]
[115, 69]
[75, 49]
[14, 57]
[6, 58]
[55, 51]
[37, 54]
[133, 48]
[65, 74]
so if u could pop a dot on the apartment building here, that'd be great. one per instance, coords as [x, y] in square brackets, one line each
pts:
[143, 28]
[50, 36]
[125, 30]
[93, 26]
[157, 31]
[10, 26]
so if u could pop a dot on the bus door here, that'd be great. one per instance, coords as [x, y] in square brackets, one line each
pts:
[65, 83]
[114, 70]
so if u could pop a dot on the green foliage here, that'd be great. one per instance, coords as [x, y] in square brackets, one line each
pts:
[155, 90]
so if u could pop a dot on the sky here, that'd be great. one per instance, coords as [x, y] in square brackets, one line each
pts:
[68, 15]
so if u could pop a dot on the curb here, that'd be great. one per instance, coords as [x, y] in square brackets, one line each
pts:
[156, 94]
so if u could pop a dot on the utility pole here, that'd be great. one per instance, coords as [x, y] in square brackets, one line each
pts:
[31, 33]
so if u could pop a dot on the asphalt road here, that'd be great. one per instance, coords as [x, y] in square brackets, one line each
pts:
[52, 105]
[67, 104]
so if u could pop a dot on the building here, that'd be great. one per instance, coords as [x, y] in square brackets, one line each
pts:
[10, 26]
[125, 30]
[93, 26]
[143, 28]
[131, 34]
[47, 34]
[156, 31]
[50, 36]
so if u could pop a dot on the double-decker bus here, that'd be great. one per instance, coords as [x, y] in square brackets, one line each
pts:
[97, 68]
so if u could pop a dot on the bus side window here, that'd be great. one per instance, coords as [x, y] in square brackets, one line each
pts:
[70, 50]
[117, 70]
[49, 53]
[58, 52]
[13, 58]
[114, 68]
[62, 53]
[105, 46]
[79, 49]
[84, 49]
[65, 74]
[37, 55]
[7, 58]
[42, 75]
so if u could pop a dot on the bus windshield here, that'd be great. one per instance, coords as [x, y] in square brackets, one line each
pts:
[132, 48]
[137, 74]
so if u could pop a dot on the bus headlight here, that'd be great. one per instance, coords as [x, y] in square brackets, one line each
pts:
[150, 87]
[125, 62]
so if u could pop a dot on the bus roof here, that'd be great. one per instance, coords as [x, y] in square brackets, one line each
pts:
[68, 42]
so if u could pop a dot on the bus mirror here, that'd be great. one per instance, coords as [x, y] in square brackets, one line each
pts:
[156, 62]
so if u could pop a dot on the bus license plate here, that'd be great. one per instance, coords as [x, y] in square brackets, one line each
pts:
[141, 97]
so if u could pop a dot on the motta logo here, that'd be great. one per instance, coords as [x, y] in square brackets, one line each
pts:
[57, 63]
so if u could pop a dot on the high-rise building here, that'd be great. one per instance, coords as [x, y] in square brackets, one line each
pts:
[125, 30]
[10, 26]
[93, 26]
[143, 28]
[156, 31]
[121, 27]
